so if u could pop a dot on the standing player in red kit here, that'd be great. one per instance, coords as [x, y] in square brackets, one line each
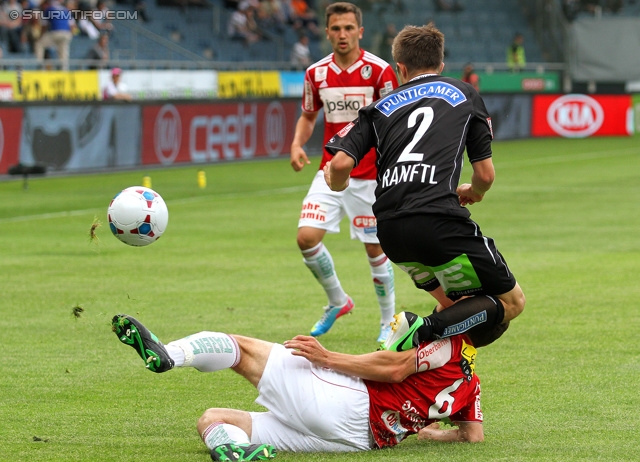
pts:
[340, 84]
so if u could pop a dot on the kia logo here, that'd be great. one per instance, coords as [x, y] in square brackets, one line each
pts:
[575, 116]
[167, 134]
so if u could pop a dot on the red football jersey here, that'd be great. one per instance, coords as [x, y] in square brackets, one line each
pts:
[342, 92]
[444, 386]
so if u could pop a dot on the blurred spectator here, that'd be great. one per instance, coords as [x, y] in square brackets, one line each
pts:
[596, 7]
[140, 7]
[94, 20]
[31, 29]
[242, 25]
[252, 21]
[385, 41]
[85, 25]
[571, 8]
[591, 6]
[231, 4]
[11, 25]
[57, 32]
[469, 75]
[516, 59]
[300, 53]
[304, 18]
[99, 53]
[99, 18]
[116, 89]
[175, 35]
[613, 6]
[249, 4]
[271, 15]
[447, 5]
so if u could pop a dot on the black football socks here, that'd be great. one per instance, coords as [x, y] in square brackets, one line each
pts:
[480, 313]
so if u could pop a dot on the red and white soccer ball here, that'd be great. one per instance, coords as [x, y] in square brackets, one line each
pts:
[138, 216]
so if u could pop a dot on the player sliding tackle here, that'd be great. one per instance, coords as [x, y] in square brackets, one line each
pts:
[323, 401]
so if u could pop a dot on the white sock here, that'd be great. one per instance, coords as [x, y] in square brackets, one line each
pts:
[176, 353]
[205, 351]
[382, 274]
[319, 261]
[222, 433]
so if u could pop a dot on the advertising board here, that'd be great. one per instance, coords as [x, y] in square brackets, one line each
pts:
[80, 137]
[10, 128]
[199, 133]
[253, 84]
[167, 84]
[580, 116]
[58, 86]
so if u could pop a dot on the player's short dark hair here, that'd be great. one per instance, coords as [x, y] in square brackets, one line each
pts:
[344, 8]
[419, 47]
[482, 337]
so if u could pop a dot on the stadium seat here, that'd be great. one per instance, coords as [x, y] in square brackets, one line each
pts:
[482, 31]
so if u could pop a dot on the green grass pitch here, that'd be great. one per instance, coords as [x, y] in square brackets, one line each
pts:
[561, 385]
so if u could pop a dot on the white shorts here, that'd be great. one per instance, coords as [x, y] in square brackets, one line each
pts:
[324, 209]
[311, 409]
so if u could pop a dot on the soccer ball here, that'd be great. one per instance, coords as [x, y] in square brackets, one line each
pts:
[137, 216]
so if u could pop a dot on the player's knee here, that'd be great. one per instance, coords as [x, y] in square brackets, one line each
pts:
[207, 418]
[513, 304]
[304, 243]
[307, 240]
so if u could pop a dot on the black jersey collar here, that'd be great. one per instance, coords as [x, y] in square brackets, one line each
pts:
[422, 76]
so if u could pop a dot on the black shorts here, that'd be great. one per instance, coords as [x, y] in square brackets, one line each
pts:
[451, 252]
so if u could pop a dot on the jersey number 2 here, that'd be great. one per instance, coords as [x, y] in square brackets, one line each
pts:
[427, 118]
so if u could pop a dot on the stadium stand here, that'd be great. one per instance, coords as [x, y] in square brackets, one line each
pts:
[196, 33]
[479, 33]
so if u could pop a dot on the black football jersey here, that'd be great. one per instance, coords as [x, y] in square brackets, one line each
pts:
[420, 132]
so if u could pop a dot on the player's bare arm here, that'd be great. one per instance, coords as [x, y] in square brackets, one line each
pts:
[337, 171]
[304, 129]
[381, 366]
[481, 181]
[469, 432]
